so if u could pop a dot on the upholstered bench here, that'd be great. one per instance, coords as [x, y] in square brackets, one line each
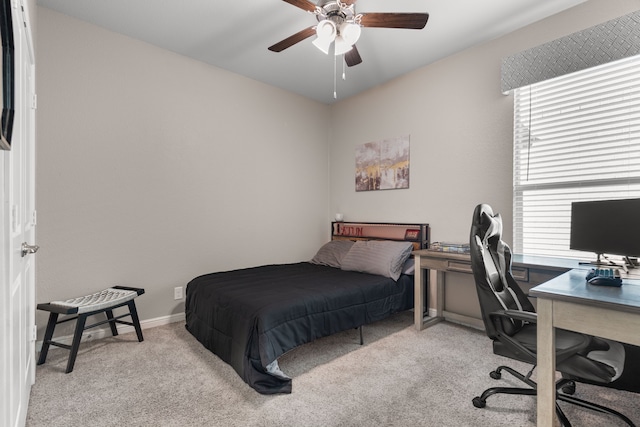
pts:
[101, 302]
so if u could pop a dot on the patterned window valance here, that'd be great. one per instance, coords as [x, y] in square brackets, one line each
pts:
[610, 41]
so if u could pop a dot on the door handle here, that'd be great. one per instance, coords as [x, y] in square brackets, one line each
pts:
[29, 249]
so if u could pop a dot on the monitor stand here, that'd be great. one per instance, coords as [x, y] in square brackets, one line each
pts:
[602, 260]
[599, 262]
[631, 262]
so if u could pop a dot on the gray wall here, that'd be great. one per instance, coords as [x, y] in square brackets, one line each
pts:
[461, 137]
[153, 168]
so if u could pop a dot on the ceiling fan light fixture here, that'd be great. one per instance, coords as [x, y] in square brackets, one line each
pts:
[323, 44]
[350, 32]
[342, 46]
[327, 30]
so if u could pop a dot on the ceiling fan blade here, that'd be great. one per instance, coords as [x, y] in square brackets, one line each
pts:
[413, 21]
[352, 57]
[303, 4]
[348, 2]
[291, 40]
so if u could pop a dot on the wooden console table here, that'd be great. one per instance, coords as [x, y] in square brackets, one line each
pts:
[528, 270]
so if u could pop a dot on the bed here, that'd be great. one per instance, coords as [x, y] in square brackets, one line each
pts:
[249, 317]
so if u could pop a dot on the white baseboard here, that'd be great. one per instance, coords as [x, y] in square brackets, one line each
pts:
[96, 334]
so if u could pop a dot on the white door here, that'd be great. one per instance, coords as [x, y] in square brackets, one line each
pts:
[17, 331]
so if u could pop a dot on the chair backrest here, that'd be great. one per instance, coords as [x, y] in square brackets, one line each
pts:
[491, 265]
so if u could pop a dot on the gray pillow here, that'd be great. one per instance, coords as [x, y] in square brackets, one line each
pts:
[331, 253]
[409, 267]
[382, 257]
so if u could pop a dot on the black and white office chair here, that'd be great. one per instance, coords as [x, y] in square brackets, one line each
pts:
[510, 321]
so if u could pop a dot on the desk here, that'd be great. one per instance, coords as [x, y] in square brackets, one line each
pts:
[568, 302]
[527, 270]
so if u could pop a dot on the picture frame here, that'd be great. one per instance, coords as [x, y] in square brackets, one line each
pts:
[8, 75]
[383, 165]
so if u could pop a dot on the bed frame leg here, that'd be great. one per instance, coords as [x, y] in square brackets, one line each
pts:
[361, 340]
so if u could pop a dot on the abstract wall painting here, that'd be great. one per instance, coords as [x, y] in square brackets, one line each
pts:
[383, 165]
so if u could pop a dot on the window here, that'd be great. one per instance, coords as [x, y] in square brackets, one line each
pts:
[576, 137]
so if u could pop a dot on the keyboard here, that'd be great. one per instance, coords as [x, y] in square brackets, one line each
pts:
[604, 277]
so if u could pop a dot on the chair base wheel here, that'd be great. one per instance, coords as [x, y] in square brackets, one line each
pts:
[479, 403]
[569, 389]
[495, 375]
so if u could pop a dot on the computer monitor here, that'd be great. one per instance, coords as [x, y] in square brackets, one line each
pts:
[609, 227]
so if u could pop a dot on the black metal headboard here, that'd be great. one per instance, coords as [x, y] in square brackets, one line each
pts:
[418, 234]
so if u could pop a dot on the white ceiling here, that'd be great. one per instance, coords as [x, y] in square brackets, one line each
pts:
[235, 34]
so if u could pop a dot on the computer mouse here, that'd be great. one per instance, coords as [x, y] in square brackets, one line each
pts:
[605, 281]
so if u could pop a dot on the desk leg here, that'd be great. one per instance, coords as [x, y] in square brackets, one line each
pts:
[546, 364]
[420, 290]
[418, 295]
[437, 279]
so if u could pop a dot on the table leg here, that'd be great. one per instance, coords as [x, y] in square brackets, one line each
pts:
[546, 365]
[418, 296]
[437, 279]
[436, 295]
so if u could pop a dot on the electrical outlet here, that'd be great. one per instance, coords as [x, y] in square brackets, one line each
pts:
[177, 292]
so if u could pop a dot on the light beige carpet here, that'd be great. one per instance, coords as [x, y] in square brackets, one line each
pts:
[400, 377]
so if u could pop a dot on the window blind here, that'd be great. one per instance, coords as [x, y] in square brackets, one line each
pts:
[576, 138]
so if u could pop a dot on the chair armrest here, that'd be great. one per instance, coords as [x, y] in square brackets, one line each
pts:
[515, 346]
[526, 316]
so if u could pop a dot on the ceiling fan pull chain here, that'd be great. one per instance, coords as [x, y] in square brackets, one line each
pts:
[335, 86]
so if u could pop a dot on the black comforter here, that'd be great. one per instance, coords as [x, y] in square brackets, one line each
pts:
[250, 317]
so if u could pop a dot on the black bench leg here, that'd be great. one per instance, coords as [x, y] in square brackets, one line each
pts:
[112, 324]
[48, 335]
[82, 318]
[135, 319]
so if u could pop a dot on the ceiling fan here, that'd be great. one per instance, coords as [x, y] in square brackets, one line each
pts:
[339, 24]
